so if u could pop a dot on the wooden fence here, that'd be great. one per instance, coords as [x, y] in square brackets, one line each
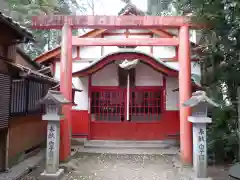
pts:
[5, 95]
[25, 95]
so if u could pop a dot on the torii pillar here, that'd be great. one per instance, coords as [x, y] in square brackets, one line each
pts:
[185, 93]
[66, 89]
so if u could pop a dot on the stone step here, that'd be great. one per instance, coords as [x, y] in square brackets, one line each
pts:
[128, 144]
[137, 151]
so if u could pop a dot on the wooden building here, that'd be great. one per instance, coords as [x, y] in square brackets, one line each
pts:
[22, 85]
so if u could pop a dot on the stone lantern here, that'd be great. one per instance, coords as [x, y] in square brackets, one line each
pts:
[199, 103]
[53, 102]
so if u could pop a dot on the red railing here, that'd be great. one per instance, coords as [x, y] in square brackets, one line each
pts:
[109, 104]
[145, 104]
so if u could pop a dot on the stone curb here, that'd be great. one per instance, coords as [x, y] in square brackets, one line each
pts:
[7, 175]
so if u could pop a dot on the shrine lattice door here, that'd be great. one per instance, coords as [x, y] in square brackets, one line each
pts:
[113, 118]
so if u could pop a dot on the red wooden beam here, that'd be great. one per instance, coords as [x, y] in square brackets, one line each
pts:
[128, 33]
[109, 22]
[76, 41]
[66, 90]
[185, 92]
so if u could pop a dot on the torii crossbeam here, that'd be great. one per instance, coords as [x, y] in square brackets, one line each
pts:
[76, 41]
[111, 22]
[67, 23]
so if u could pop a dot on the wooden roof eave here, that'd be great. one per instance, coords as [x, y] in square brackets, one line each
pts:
[49, 55]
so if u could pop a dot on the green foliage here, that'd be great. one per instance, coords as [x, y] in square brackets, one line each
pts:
[221, 62]
[222, 135]
[23, 10]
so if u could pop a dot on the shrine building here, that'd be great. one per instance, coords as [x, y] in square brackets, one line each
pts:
[139, 103]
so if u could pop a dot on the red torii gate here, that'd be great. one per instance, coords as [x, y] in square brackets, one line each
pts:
[67, 23]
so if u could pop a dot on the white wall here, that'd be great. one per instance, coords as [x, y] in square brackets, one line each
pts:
[138, 30]
[77, 65]
[81, 98]
[74, 51]
[195, 67]
[90, 52]
[164, 52]
[144, 49]
[109, 49]
[57, 71]
[147, 76]
[108, 76]
[172, 98]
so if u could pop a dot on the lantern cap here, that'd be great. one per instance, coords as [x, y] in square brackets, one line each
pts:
[55, 97]
[199, 97]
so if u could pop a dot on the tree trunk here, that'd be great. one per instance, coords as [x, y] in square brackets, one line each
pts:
[238, 96]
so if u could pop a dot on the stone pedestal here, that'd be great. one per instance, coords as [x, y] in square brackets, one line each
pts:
[200, 146]
[52, 171]
[52, 154]
[55, 176]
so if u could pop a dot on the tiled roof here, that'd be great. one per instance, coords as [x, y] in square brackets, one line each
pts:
[32, 73]
[131, 9]
[26, 34]
[28, 59]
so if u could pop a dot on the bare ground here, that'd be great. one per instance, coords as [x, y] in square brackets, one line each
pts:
[124, 167]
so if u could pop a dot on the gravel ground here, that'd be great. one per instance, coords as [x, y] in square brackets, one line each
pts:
[218, 172]
[123, 167]
[126, 167]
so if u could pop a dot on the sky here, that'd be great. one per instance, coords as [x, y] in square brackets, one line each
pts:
[112, 7]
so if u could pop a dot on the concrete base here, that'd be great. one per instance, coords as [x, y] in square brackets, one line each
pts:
[154, 151]
[78, 141]
[208, 178]
[57, 176]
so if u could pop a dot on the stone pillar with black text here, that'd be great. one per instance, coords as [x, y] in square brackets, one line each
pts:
[53, 102]
[199, 103]
[200, 146]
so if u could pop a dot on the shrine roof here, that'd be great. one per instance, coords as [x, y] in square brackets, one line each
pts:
[27, 72]
[22, 31]
[36, 74]
[131, 9]
[133, 54]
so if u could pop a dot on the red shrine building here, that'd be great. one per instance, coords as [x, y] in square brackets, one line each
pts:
[139, 103]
